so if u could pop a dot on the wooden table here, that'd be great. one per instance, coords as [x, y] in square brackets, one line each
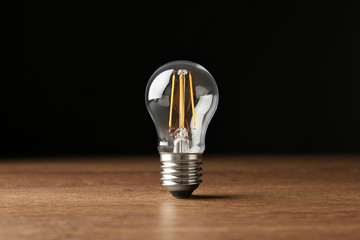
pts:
[242, 197]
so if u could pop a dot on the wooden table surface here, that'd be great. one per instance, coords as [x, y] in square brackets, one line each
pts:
[242, 197]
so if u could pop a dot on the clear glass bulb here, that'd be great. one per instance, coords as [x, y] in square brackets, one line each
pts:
[181, 97]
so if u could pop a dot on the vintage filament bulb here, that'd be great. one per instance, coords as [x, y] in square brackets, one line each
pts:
[181, 97]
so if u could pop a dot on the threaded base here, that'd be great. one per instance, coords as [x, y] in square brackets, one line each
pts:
[180, 173]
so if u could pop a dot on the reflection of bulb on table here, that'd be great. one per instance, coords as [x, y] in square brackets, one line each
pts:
[181, 97]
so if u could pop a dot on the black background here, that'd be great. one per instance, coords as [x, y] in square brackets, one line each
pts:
[74, 74]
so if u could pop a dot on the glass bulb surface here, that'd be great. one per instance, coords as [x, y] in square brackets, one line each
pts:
[181, 97]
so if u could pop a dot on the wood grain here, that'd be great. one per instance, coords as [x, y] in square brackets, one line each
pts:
[242, 197]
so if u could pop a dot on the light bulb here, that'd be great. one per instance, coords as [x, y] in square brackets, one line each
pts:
[181, 97]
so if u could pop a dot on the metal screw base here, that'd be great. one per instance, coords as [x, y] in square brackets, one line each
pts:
[180, 173]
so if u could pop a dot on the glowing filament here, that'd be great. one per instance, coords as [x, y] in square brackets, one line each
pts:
[172, 98]
[182, 105]
[182, 90]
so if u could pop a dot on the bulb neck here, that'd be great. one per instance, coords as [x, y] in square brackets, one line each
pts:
[180, 173]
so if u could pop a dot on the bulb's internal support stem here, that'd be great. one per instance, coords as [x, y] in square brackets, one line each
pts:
[180, 173]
